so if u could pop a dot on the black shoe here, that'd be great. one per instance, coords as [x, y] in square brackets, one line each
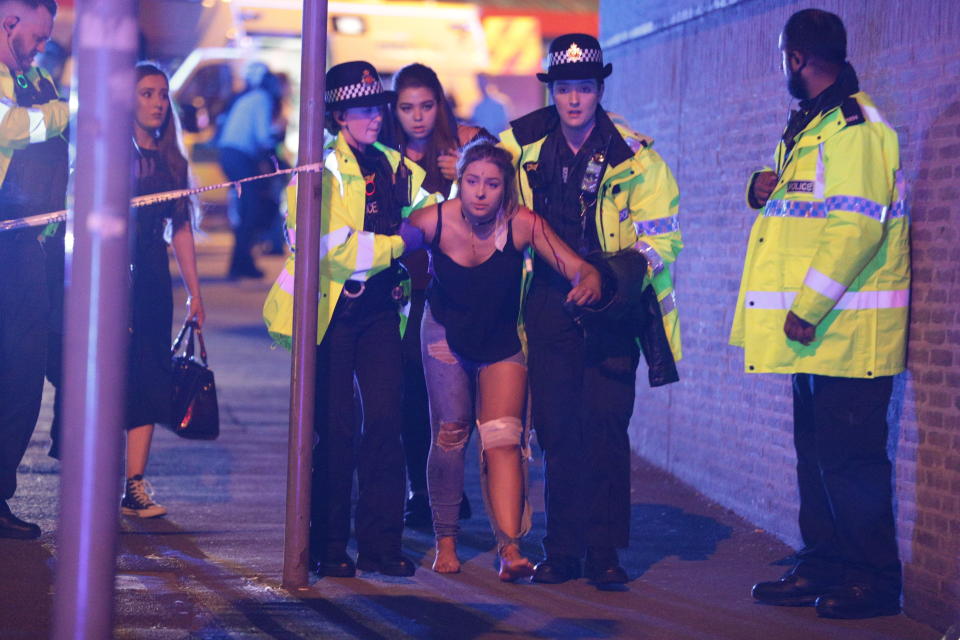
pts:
[13, 527]
[465, 511]
[389, 564]
[793, 589]
[556, 569]
[417, 513]
[852, 601]
[602, 567]
[336, 565]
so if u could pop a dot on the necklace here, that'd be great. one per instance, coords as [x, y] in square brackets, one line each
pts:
[474, 225]
[484, 226]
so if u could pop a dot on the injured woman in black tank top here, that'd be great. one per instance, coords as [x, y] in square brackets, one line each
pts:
[473, 361]
[476, 263]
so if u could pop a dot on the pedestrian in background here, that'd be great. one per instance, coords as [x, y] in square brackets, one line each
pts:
[159, 165]
[246, 141]
[825, 298]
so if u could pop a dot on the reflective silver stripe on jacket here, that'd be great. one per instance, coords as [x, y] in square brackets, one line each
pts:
[658, 226]
[654, 260]
[850, 301]
[824, 284]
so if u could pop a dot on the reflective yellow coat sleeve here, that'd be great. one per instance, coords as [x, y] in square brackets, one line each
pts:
[20, 126]
[654, 203]
[347, 251]
[858, 186]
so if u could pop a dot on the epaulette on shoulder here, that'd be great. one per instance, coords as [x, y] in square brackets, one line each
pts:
[852, 112]
[636, 144]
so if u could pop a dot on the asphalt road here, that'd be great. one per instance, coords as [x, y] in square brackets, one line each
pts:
[211, 568]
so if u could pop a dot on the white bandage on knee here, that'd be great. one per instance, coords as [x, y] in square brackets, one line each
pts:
[501, 432]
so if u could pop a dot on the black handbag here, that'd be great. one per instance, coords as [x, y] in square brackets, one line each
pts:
[196, 415]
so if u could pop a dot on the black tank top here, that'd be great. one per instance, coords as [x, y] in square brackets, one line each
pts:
[478, 306]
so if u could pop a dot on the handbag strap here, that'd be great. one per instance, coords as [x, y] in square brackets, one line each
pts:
[182, 333]
[203, 347]
[188, 330]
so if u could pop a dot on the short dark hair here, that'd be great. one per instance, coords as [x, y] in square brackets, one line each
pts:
[49, 5]
[817, 33]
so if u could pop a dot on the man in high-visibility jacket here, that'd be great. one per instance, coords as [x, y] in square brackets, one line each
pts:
[33, 178]
[602, 188]
[824, 297]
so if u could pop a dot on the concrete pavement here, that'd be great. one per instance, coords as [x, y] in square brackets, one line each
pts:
[211, 568]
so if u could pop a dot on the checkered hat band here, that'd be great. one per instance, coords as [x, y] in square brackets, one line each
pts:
[351, 91]
[584, 55]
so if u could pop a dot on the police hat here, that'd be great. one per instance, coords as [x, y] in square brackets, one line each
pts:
[355, 84]
[575, 56]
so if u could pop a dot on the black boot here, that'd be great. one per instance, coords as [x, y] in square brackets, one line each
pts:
[602, 567]
[336, 565]
[856, 600]
[798, 587]
[13, 527]
[556, 569]
[417, 512]
[390, 563]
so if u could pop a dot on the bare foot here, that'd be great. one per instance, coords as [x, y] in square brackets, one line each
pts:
[446, 560]
[513, 566]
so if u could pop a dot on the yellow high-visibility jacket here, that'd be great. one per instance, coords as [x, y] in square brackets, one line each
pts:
[637, 202]
[832, 245]
[21, 126]
[347, 252]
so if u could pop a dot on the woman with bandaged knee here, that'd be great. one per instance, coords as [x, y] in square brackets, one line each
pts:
[472, 354]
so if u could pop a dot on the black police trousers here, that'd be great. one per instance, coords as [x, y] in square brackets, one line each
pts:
[845, 478]
[23, 347]
[361, 344]
[582, 391]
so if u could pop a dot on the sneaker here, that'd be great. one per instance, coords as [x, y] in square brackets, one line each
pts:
[138, 499]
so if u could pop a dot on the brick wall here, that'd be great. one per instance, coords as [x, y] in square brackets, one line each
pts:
[703, 79]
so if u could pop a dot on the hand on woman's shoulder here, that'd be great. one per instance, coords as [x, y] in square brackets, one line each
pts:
[468, 133]
[425, 219]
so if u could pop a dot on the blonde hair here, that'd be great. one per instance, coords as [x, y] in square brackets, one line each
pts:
[482, 149]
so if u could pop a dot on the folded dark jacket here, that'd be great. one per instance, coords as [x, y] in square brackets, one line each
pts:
[627, 306]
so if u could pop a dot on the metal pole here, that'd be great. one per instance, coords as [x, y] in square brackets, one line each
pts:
[296, 545]
[96, 320]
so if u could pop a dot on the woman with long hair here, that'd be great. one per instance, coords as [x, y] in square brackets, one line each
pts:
[159, 165]
[472, 353]
[425, 131]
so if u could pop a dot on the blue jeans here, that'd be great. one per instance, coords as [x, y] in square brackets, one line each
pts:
[452, 389]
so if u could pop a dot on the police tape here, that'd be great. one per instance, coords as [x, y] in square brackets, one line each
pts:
[156, 198]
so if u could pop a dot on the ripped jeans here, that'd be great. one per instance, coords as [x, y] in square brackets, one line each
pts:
[452, 390]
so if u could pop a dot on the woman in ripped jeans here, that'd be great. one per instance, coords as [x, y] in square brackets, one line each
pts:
[472, 355]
